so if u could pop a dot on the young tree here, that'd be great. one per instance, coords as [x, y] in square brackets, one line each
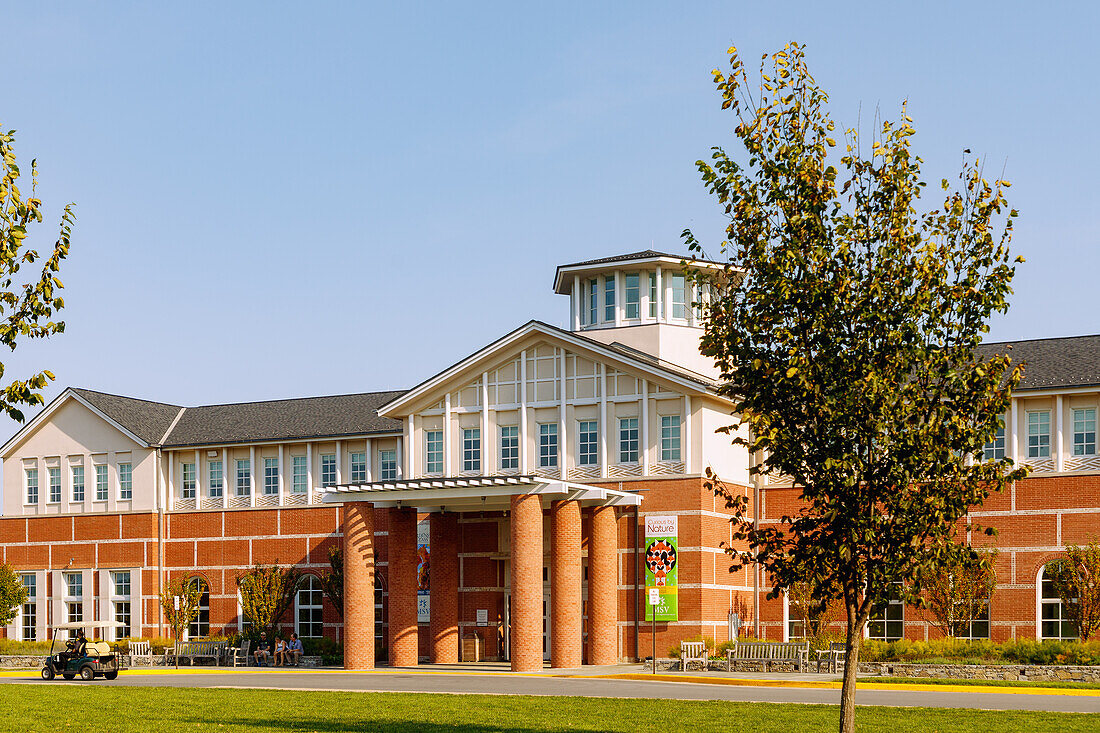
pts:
[179, 600]
[1076, 580]
[28, 301]
[810, 606]
[959, 590]
[267, 591]
[12, 594]
[332, 582]
[846, 328]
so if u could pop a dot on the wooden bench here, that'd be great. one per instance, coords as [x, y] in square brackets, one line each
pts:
[833, 656]
[192, 650]
[238, 655]
[141, 650]
[769, 651]
[693, 652]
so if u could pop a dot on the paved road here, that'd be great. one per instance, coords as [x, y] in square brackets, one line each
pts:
[386, 681]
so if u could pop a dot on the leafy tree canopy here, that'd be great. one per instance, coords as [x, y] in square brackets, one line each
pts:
[12, 594]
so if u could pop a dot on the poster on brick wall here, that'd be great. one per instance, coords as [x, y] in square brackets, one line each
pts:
[423, 572]
[660, 567]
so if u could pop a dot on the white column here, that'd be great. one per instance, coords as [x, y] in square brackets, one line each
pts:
[523, 411]
[619, 298]
[137, 605]
[369, 455]
[198, 479]
[562, 441]
[1013, 432]
[340, 460]
[447, 451]
[252, 475]
[171, 481]
[104, 612]
[1059, 450]
[660, 296]
[282, 468]
[486, 454]
[687, 434]
[605, 458]
[309, 473]
[667, 296]
[225, 478]
[575, 299]
[645, 427]
[409, 461]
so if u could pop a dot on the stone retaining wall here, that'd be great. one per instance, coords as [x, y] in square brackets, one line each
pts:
[1033, 672]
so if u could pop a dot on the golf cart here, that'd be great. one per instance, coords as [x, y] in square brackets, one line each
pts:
[82, 656]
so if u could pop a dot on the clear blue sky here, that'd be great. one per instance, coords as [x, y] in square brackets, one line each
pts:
[278, 200]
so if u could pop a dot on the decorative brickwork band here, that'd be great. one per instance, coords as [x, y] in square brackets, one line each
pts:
[444, 588]
[402, 575]
[359, 585]
[565, 584]
[603, 580]
[526, 581]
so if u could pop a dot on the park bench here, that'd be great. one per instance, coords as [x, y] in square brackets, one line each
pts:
[693, 652]
[238, 655]
[192, 650]
[769, 651]
[141, 650]
[833, 656]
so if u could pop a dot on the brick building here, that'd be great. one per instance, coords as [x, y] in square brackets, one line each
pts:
[525, 473]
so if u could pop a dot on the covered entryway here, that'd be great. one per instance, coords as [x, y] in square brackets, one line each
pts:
[526, 499]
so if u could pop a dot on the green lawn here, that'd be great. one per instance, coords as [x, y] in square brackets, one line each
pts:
[1059, 684]
[117, 709]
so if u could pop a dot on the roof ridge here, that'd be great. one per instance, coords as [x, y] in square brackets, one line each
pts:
[175, 421]
[301, 399]
[1043, 338]
[125, 397]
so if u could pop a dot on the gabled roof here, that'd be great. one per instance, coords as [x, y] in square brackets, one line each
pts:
[614, 353]
[562, 286]
[1050, 363]
[147, 420]
[294, 419]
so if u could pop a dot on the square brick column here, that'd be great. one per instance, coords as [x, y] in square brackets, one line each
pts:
[526, 581]
[603, 588]
[358, 585]
[565, 584]
[444, 587]
[403, 637]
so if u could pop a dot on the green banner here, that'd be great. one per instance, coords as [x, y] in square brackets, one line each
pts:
[660, 567]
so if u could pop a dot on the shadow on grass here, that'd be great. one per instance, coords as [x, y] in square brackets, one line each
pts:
[387, 724]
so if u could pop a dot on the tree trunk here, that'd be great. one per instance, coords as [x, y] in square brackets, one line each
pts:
[851, 664]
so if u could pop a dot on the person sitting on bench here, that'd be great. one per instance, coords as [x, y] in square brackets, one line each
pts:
[294, 650]
[263, 650]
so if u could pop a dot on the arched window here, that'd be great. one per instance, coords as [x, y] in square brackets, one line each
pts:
[1053, 621]
[308, 612]
[200, 625]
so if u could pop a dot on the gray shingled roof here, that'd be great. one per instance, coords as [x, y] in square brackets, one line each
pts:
[1073, 361]
[147, 420]
[643, 255]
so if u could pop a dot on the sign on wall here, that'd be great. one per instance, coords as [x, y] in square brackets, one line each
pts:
[423, 572]
[660, 567]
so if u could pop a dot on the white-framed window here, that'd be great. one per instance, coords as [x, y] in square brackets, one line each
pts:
[548, 444]
[1084, 432]
[78, 482]
[628, 440]
[271, 476]
[244, 477]
[609, 298]
[125, 480]
[973, 629]
[54, 474]
[887, 621]
[216, 472]
[1054, 623]
[328, 469]
[120, 601]
[31, 477]
[299, 473]
[74, 585]
[509, 446]
[387, 465]
[471, 449]
[679, 295]
[74, 599]
[190, 480]
[632, 294]
[653, 295]
[1038, 434]
[309, 614]
[433, 451]
[588, 443]
[200, 625]
[593, 300]
[122, 616]
[995, 449]
[358, 468]
[101, 484]
[670, 437]
[29, 620]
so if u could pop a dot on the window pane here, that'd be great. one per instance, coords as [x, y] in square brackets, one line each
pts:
[101, 483]
[125, 480]
[609, 298]
[628, 440]
[216, 475]
[32, 485]
[244, 477]
[670, 437]
[433, 451]
[271, 475]
[358, 468]
[471, 449]
[299, 467]
[679, 296]
[509, 446]
[632, 295]
[588, 447]
[55, 484]
[387, 468]
[548, 445]
[78, 483]
[188, 481]
[328, 470]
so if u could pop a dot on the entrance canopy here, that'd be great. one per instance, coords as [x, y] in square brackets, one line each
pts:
[474, 493]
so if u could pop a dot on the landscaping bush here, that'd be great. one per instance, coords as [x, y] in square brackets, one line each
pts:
[961, 651]
[330, 651]
[11, 646]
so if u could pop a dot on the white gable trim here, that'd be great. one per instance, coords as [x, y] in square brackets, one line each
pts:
[51, 408]
[580, 344]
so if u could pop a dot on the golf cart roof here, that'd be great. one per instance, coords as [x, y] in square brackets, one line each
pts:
[88, 625]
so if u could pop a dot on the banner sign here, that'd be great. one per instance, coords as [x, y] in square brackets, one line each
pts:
[660, 567]
[423, 572]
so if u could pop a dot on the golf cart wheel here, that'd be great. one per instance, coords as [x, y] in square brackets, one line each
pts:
[68, 675]
[87, 673]
[47, 673]
[110, 675]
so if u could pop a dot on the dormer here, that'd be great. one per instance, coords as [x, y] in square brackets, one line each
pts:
[641, 300]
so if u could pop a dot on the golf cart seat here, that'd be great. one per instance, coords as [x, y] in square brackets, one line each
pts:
[98, 648]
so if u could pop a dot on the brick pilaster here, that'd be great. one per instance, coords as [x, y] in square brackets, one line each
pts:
[359, 585]
[403, 636]
[526, 581]
[603, 582]
[565, 584]
[444, 588]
